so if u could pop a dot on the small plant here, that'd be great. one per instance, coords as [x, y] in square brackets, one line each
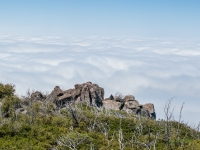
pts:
[119, 97]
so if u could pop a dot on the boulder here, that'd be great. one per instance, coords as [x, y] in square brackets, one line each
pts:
[54, 94]
[130, 103]
[110, 104]
[146, 110]
[68, 96]
[37, 96]
[91, 93]
[21, 110]
[111, 97]
[150, 108]
[129, 98]
[143, 112]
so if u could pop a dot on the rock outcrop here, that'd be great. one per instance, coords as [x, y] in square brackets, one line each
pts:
[91, 93]
[54, 94]
[94, 95]
[37, 96]
[130, 105]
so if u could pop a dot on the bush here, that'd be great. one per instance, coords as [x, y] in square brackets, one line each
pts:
[6, 90]
[9, 105]
[9, 101]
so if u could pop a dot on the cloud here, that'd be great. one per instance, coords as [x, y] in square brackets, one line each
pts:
[153, 70]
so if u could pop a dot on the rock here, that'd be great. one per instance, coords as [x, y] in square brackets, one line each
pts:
[94, 96]
[68, 96]
[146, 110]
[97, 95]
[21, 110]
[37, 96]
[65, 97]
[150, 108]
[130, 105]
[130, 102]
[129, 98]
[78, 86]
[111, 97]
[143, 112]
[85, 94]
[78, 100]
[54, 94]
[73, 92]
[110, 104]
[91, 93]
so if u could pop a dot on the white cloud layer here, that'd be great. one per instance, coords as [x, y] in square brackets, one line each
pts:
[153, 70]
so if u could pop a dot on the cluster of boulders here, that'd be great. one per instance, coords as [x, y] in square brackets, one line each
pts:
[94, 95]
[88, 92]
[129, 104]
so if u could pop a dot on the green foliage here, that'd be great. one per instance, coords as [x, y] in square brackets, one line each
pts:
[97, 129]
[6, 90]
[193, 145]
[85, 127]
[36, 106]
[9, 104]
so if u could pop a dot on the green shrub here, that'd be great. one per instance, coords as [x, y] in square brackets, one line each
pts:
[6, 90]
[9, 105]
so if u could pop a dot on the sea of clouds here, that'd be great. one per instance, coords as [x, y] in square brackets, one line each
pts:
[152, 69]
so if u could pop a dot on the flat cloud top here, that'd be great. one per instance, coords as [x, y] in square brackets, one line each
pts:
[153, 70]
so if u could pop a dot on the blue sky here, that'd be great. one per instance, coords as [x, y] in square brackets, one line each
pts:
[150, 49]
[155, 18]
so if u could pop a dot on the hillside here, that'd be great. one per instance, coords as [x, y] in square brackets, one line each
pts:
[83, 120]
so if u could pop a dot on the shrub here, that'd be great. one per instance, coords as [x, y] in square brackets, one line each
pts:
[9, 105]
[6, 90]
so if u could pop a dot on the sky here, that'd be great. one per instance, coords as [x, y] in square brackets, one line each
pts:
[156, 18]
[150, 49]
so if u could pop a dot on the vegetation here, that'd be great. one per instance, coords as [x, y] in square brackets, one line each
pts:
[81, 127]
